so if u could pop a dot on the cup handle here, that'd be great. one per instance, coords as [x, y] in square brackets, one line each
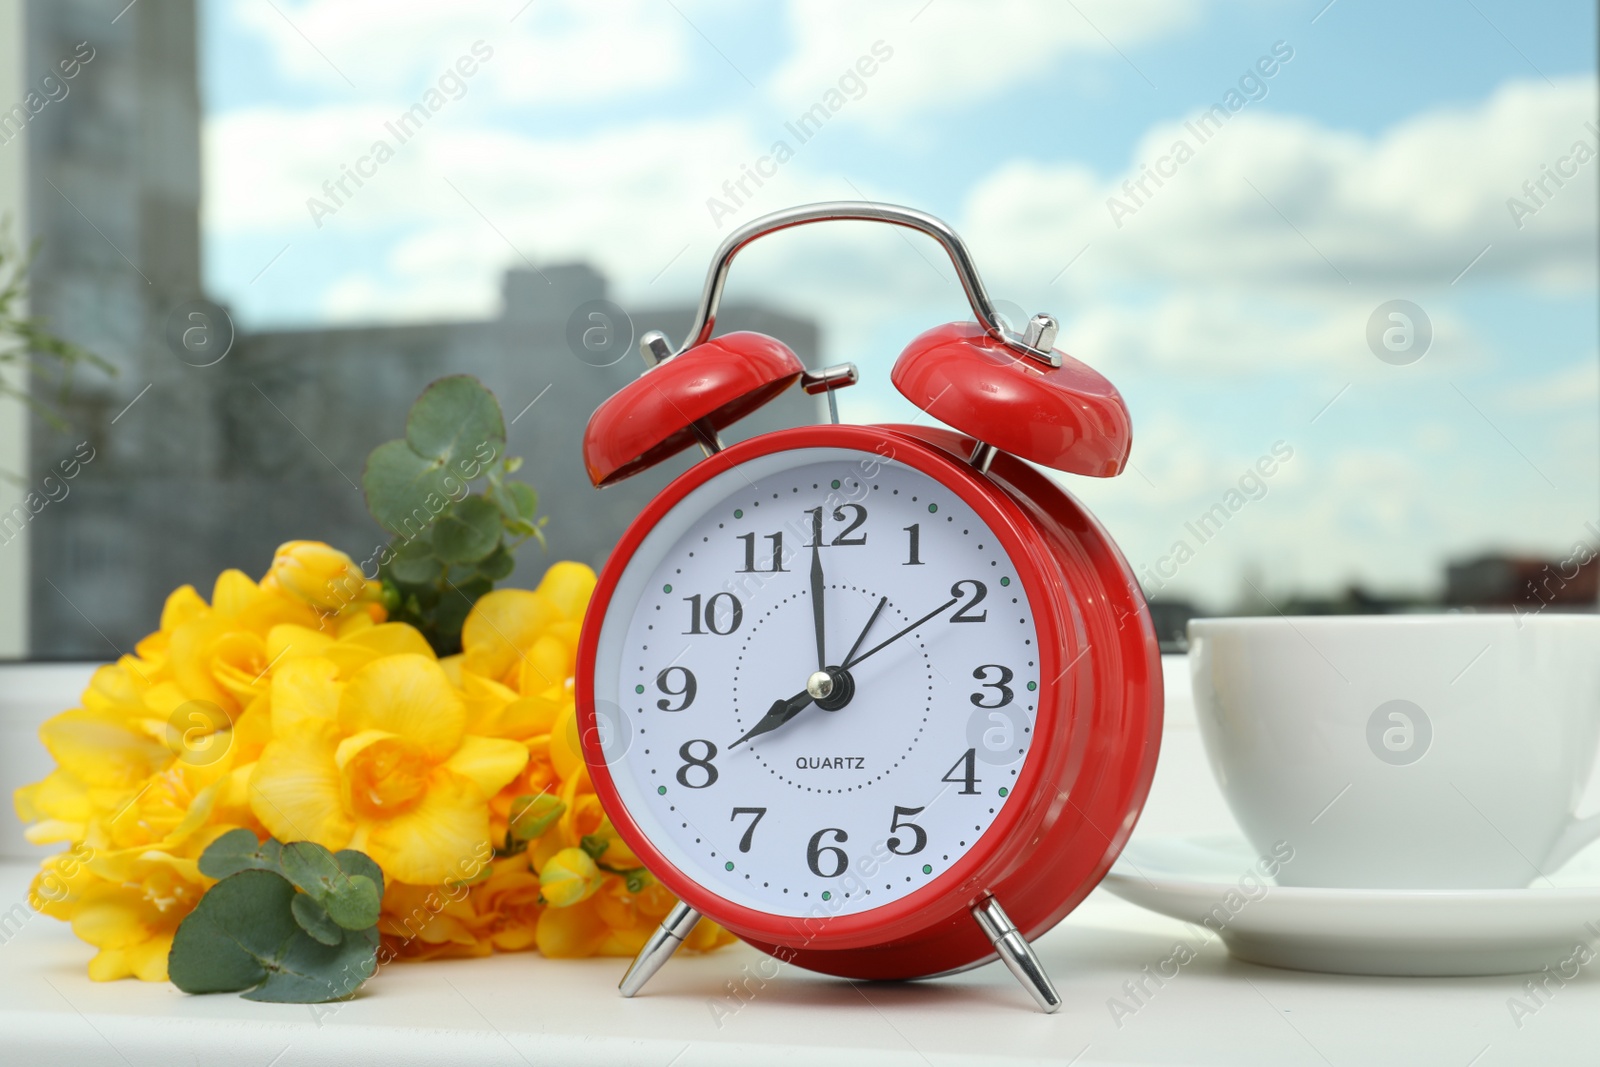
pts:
[1578, 834]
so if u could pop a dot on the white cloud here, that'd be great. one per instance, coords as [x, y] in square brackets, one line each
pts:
[1574, 386]
[1276, 200]
[940, 59]
[548, 51]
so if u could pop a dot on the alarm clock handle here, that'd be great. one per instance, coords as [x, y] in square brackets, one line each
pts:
[1035, 344]
[659, 949]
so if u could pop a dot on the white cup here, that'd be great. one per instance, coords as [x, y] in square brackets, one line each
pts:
[1404, 751]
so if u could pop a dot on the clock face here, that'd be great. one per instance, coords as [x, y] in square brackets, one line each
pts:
[797, 784]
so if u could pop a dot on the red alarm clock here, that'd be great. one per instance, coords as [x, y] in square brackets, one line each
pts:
[884, 701]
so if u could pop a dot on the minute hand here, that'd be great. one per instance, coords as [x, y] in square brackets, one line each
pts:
[880, 646]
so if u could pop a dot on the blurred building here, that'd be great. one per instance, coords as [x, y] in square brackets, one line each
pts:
[200, 468]
[1524, 582]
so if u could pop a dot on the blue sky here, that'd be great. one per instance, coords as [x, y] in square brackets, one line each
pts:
[1231, 310]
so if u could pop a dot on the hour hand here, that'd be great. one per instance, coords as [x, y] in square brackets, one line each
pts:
[780, 712]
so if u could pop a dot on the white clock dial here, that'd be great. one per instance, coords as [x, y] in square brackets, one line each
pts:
[780, 799]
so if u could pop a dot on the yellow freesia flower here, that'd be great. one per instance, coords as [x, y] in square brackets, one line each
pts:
[382, 763]
[320, 576]
[568, 877]
[128, 908]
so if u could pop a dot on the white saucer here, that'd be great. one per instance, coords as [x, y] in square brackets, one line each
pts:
[1364, 931]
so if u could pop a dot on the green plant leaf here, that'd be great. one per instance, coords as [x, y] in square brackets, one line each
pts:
[527, 501]
[238, 850]
[243, 933]
[310, 867]
[457, 422]
[467, 531]
[348, 889]
[354, 902]
[313, 919]
[450, 613]
[498, 564]
[353, 863]
[414, 562]
[240, 922]
[531, 816]
[405, 492]
[308, 972]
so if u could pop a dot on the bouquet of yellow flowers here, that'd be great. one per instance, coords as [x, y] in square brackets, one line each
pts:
[296, 709]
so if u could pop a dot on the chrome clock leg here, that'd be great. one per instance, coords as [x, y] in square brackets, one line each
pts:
[1018, 955]
[662, 944]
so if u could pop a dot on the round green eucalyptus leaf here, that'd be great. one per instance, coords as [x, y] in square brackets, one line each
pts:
[309, 972]
[353, 902]
[405, 492]
[467, 531]
[314, 919]
[310, 867]
[526, 499]
[225, 944]
[354, 862]
[415, 565]
[499, 564]
[238, 850]
[457, 422]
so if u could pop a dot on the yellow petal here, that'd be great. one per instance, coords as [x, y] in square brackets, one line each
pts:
[101, 751]
[53, 831]
[547, 664]
[305, 700]
[149, 960]
[59, 795]
[407, 695]
[183, 604]
[452, 668]
[295, 793]
[445, 836]
[115, 689]
[566, 753]
[571, 933]
[190, 664]
[706, 936]
[161, 700]
[235, 791]
[114, 919]
[288, 641]
[392, 639]
[525, 717]
[500, 626]
[489, 763]
[239, 664]
[350, 746]
[568, 586]
[110, 964]
[233, 592]
[485, 699]
[350, 625]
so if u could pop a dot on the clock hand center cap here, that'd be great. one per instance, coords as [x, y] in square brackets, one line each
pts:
[831, 688]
